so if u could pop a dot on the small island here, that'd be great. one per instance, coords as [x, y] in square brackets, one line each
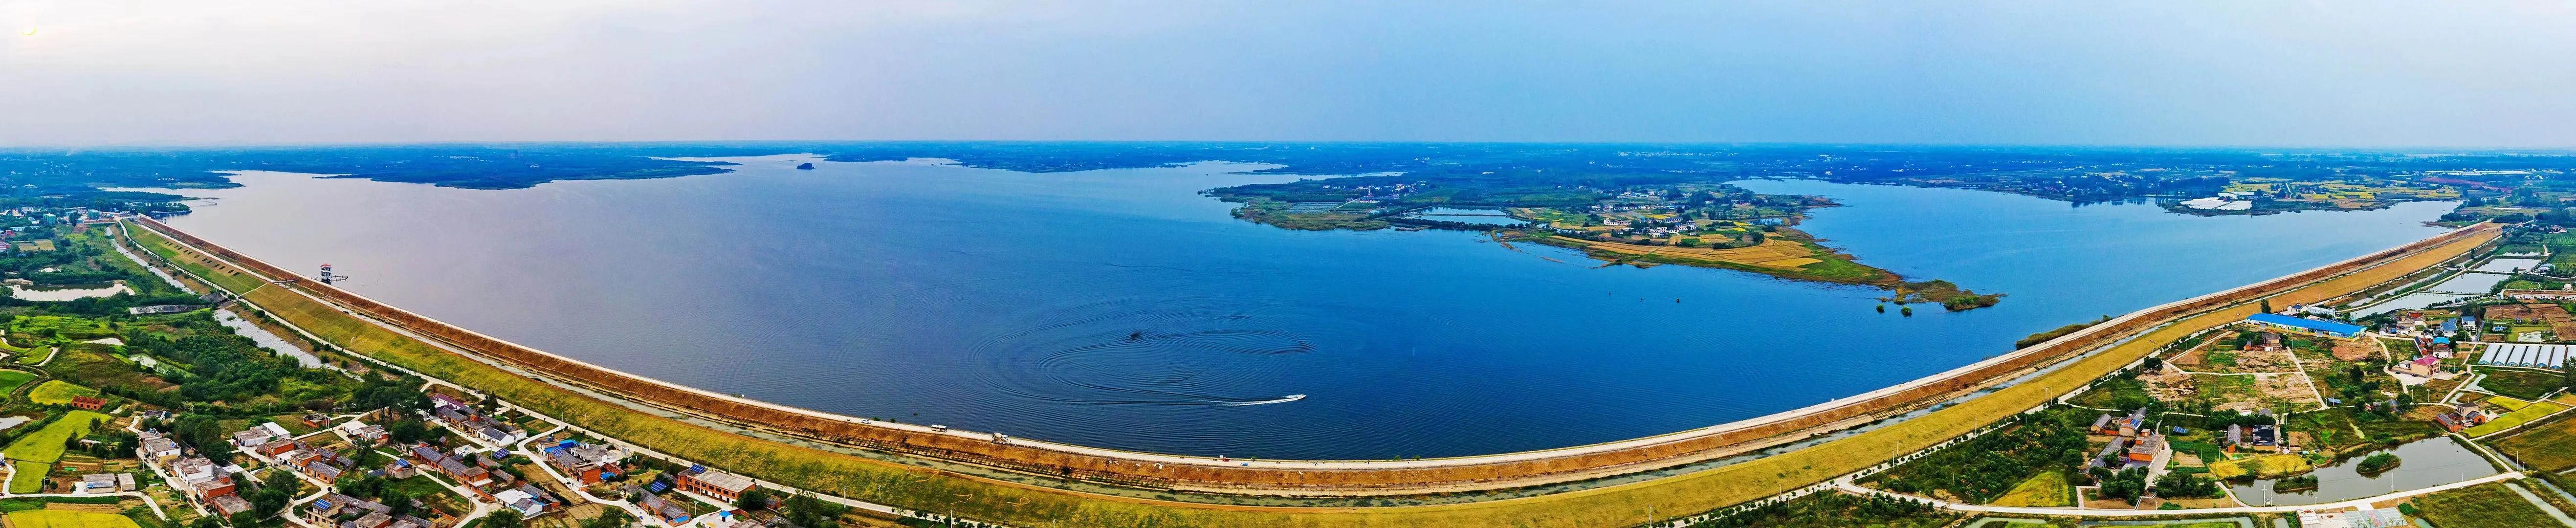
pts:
[1706, 224]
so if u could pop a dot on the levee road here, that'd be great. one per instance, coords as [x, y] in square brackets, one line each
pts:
[351, 321]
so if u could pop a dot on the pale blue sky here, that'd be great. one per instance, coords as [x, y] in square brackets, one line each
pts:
[2144, 73]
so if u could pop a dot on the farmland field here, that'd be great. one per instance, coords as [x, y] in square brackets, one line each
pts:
[35, 453]
[2521, 384]
[2046, 490]
[2549, 446]
[58, 392]
[46, 445]
[2490, 505]
[67, 519]
[2530, 412]
[10, 380]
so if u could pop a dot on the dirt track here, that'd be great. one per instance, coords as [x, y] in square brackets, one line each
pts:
[1154, 470]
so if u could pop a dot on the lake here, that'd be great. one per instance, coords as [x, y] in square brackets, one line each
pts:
[2420, 464]
[1119, 308]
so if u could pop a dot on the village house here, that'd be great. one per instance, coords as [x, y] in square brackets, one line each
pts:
[158, 449]
[362, 432]
[252, 438]
[2136, 420]
[88, 403]
[670, 513]
[400, 469]
[2423, 366]
[2265, 342]
[589, 463]
[527, 504]
[712, 483]
[228, 505]
[98, 482]
[279, 446]
[2108, 451]
[465, 474]
[2147, 448]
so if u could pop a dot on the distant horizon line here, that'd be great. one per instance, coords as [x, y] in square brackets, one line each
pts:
[2565, 150]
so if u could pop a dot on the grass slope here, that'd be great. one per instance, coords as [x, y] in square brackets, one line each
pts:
[223, 276]
[1023, 505]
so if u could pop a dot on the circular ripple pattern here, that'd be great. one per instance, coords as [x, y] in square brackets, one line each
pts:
[1188, 352]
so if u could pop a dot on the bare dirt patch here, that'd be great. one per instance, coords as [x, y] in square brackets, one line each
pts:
[2354, 350]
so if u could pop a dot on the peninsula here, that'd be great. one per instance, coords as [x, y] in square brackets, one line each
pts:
[1705, 223]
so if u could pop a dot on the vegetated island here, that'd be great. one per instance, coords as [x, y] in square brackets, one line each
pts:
[1706, 224]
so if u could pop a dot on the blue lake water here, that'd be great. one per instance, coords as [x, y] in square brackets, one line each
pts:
[1118, 308]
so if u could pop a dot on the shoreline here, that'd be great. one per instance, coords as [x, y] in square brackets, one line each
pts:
[944, 439]
[1702, 490]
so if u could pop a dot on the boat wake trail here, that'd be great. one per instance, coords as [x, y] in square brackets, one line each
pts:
[1282, 399]
[1162, 353]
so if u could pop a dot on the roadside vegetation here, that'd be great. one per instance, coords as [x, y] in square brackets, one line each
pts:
[2046, 446]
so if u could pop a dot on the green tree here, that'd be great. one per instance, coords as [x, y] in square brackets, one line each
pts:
[809, 512]
[269, 500]
[505, 518]
[615, 518]
[756, 498]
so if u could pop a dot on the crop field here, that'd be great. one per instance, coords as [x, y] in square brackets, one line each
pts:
[10, 380]
[2490, 505]
[2516, 418]
[2548, 447]
[58, 392]
[67, 519]
[2266, 466]
[2520, 384]
[2045, 490]
[46, 445]
[888, 483]
[35, 453]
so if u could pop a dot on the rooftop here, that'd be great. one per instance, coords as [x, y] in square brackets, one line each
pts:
[2305, 323]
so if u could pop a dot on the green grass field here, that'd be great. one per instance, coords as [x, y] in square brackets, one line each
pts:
[58, 392]
[2042, 491]
[2521, 384]
[30, 477]
[37, 452]
[2548, 447]
[67, 519]
[10, 380]
[46, 445]
[1619, 505]
[2490, 505]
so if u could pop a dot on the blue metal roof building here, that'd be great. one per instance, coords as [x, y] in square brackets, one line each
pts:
[2304, 324]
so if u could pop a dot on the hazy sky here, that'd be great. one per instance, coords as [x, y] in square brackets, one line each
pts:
[2018, 72]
